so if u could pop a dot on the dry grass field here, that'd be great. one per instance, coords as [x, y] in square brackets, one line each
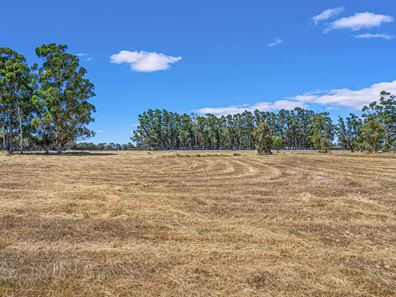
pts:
[198, 224]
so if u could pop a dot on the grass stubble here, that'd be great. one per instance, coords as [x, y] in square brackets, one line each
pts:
[198, 224]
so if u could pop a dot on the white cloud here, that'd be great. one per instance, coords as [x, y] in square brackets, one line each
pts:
[84, 56]
[277, 41]
[333, 99]
[327, 14]
[355, 99]
[141, 61]
[375, 36]
[360, 20]
[332, 108]
[263, 106]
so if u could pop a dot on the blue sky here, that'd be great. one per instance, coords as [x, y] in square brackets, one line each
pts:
[214, 56]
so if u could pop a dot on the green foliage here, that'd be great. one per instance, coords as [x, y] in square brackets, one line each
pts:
[322, 132]
[16, 91]
[277, 143]
[349, 132]
[373, 135]
[384, 111]
[64, 94]
[48, 103]
[160, 129]
[290, 129]
[89, 146]
[263, 138]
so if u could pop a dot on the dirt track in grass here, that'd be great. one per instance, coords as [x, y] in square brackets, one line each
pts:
[198, 224]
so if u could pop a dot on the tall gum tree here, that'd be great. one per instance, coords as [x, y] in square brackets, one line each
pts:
[15, 95]
[263, 138]
[384, 111]
[65, 91]
[322, 131]
[348, 131]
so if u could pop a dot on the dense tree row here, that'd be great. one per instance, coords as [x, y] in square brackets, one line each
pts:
[374, 131]
[43, 105]
[160, 129]
[287, 129]
[89, 146]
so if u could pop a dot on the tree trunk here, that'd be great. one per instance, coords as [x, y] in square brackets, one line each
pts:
[9, 148]
[59, 148]
[4, 137]
[375, 148]
[20, 129]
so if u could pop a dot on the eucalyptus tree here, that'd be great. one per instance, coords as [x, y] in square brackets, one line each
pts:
[213, 132]
[248, 127]
[292, 131]
[263, 138]
[232, 132]
[277, 143]
[64, 91]
[15, 95]
[373, 135]
[321, 131]
[349, 131]
[385, 112]
[185, 131]
[202, 133]
[145, 135]
[3, 115]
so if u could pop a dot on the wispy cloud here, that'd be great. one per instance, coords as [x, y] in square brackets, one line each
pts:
[327, 14]
[360, 20]
[375, 36]
[263, 106]
[141, 61]
[81, 54]
[277, 41]
[333, 99]
[85, 57]
[355, 99]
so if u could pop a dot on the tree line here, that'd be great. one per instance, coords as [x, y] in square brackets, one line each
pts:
[103, 146]
[43, 106]
[297, 129]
